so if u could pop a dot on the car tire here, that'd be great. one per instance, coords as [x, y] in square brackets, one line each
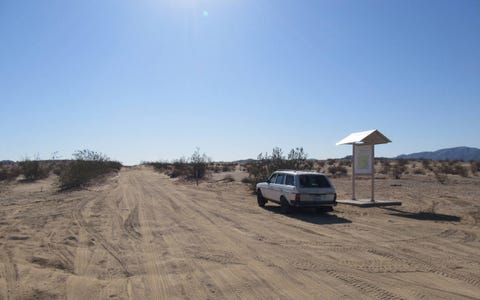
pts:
[260, 199]
[284, 206]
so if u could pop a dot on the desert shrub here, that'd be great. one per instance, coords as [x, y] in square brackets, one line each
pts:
[159, 166]
[403, 163]
[427, 164]
[194, 168]
[268, 163]
[90, 155]
[221, 167]
[9, 172]
[228, 167]
[198, 165]
[246, 180]
[179, 168]
[440, 177]
[33, 170]
[228, 178]
[452, 168]
[337, 171]
[474, 167]
[461, 170]
[419, 172]
[87, 166]
[386, 167]
[399, 168]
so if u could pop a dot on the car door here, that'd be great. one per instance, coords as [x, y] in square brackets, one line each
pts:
[277, 187]
[267, 192]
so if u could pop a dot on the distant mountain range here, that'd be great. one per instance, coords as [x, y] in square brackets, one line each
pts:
[6, 162]
[457, 153]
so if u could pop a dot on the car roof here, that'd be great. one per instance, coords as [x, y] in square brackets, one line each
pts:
[296, 172]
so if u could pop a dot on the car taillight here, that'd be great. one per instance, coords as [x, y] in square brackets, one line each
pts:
[297, 197]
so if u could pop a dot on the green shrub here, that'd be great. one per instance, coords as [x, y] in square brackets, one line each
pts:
[266, 164]
[87, 166]
[198, 165]
[194, 168]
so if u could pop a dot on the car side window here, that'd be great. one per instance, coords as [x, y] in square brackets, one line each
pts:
[280, 179]
[289, 180]
[272, 178]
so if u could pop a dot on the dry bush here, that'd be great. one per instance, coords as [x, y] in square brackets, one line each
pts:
[452, 168]
[419, 172]
[337, 171]
[398, 169]
[474, 167]
[427, 164]
[246, 180]
[9, 172]
[228, 167]
[88, 165]
[33, 170]
[386, 167]
[440, 177]
[228, 178]
[194, 168]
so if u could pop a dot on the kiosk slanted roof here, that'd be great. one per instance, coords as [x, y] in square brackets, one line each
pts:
[369, 137]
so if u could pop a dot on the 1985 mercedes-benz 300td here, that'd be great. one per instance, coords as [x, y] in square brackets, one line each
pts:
[291, 188]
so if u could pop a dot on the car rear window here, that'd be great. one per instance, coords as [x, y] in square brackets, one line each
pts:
[311, 180]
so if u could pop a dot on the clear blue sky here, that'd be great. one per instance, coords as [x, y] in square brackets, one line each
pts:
[150, 80]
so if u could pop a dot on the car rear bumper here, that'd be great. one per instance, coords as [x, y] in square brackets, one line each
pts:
[313, 203]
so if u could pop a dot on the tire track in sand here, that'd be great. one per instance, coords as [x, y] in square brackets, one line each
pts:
[82, 258]
[8, 274]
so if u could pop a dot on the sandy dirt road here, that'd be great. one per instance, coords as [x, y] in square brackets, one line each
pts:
[143, 236]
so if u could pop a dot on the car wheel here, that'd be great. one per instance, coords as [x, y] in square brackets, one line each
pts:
[284, 206]
[260, 199]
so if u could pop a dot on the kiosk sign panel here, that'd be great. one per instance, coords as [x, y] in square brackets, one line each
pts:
[363, 159]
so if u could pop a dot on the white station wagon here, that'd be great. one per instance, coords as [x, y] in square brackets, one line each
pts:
[291, 188]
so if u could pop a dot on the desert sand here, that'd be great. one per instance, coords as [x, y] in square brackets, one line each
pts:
[142, 235]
